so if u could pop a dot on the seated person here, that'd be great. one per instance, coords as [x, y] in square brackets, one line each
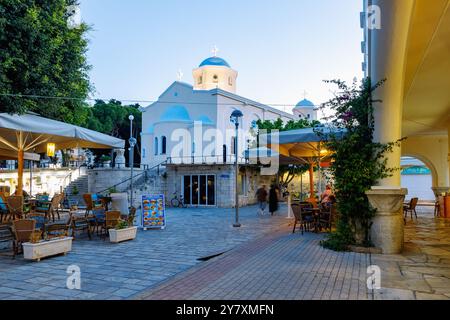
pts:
[325, 197]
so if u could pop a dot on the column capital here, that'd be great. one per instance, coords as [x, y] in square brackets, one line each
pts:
[387, 225]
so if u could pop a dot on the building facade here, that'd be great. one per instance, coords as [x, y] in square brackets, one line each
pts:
[189, 130]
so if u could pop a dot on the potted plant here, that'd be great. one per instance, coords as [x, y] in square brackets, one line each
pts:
[37, 249]
[106, 161]
[122, 232]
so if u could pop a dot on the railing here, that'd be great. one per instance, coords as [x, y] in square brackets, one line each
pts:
[144, 174]
[64, 184]
[230, 159]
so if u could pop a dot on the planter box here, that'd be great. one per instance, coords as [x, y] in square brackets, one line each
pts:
[116, 236]
[37, 251]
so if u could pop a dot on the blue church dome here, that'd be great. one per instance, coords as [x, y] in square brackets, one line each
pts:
[175, 113]
[214, 61]
[305, 104]
[205, 120]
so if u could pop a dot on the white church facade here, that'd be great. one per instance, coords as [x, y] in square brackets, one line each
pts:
[188, 129]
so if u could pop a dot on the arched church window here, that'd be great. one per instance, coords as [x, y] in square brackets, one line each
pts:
[230, 81]
[200, 80]
[163, 144]
[216, 78]
[155, 146]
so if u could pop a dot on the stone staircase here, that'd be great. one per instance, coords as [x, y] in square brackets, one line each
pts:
[152, 183]
[81, 184]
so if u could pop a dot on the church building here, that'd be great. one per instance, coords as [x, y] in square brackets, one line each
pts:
[188, 131]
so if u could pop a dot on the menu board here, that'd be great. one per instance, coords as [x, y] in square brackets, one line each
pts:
[153, 211]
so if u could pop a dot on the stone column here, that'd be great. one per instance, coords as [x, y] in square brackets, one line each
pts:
[120, 158]
[387, 228]
[388, 46]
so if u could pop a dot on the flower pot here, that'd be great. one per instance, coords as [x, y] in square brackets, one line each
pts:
[37, 251]
[120, 235]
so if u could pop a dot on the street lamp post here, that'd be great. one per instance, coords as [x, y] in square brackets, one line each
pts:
[132, 142]
[234, 118]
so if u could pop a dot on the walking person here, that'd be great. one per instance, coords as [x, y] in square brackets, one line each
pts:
[261, 196]
[273, 199]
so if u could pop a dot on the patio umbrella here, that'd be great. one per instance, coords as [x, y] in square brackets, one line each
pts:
[22, 133]
[305, 145]
[12, 155]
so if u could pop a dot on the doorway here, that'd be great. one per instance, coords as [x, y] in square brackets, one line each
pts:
[199, 190]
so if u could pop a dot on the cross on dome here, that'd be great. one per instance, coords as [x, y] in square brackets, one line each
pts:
[305, 93]
[214, 51]
[180, 75]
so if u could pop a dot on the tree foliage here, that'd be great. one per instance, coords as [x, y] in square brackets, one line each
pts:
[112, 118]
[357, 162]
[42, 56]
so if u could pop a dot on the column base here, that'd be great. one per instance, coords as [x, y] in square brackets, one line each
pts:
[387, 232]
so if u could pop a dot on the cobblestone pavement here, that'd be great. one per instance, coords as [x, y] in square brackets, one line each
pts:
[422, 271]
[119, 271]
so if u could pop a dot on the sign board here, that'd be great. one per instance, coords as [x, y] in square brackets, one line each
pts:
[416, 171]
[153, 211]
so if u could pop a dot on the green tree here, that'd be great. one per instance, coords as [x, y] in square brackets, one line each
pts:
[112, 118]
[41, 55]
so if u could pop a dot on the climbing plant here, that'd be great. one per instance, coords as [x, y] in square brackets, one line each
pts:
[357, 161]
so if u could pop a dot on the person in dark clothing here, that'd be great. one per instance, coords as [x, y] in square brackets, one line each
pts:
[261, 196]
[273, 199]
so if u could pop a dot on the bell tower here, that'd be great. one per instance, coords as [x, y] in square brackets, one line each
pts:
[213, 73]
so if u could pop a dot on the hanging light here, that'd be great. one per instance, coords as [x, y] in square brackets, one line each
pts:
[51, 149]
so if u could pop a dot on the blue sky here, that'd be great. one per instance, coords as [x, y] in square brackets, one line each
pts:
[280, 48]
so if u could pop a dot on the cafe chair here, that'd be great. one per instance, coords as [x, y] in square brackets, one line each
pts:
[23, 229]
[411, 207]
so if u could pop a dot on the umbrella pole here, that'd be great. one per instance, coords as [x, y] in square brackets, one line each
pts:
[31, 177]
[19, 189]
[311, 181]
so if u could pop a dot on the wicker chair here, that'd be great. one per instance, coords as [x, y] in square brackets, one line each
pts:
[15, 207]
[23, 229]
[92, 203]
[3, 207]
[326, 216]
[47, 208]
[112, 218]
[302, 217]
[7, 235]
[79, 224]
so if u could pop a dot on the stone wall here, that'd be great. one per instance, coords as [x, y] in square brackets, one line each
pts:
[102, 178]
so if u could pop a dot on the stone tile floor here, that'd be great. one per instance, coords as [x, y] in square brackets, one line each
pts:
[422, 271]
[119, 271]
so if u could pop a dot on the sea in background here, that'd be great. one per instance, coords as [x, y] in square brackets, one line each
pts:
[418, 186]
